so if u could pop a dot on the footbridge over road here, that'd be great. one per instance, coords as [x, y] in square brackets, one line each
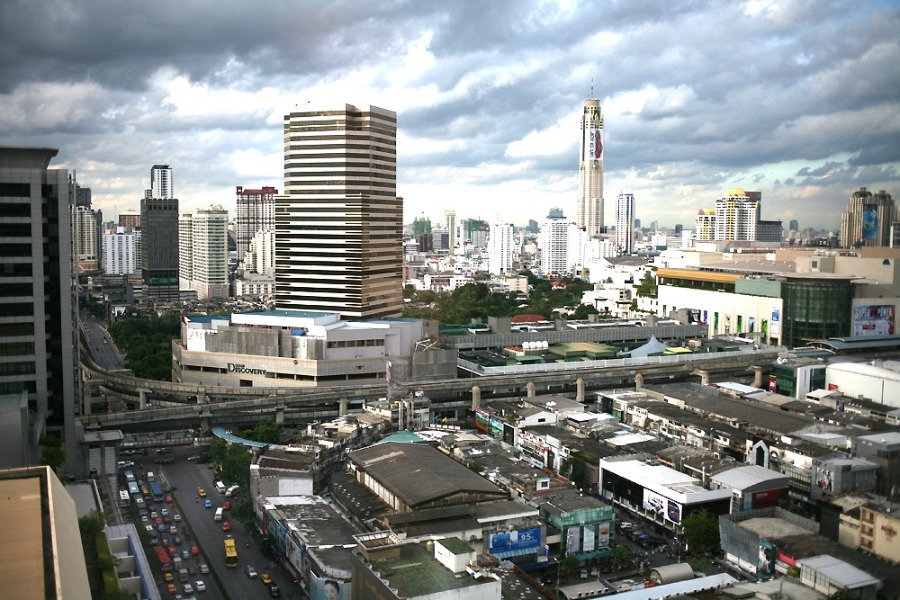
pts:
[187, 405]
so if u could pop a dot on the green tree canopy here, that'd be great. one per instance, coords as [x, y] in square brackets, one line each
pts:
[147, 344]
[52, 453]
[701, 531]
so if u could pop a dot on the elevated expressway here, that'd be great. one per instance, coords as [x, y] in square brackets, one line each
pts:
[194, 406]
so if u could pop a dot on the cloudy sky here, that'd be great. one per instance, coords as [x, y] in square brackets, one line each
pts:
[798, 99]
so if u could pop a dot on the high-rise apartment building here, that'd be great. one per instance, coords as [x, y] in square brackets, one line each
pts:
[553, 241]
[625, 222]
[452, 225]
[161, 184]
[867, 221]
[84, 234]
[705, 225]
[590, 183]
[737, 215]
[255, 211]
[120, 252]
[130, 220]
[339, 226]
[203, 252]
[502, 253]
[159, 250]
[37, 311]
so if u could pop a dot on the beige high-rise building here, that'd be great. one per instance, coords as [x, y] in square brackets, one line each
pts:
[203, 252]
[867, 221]
[590, 182]
[339, 226]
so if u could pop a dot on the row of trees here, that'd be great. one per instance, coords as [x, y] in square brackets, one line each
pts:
[474, 301]
[147, 344]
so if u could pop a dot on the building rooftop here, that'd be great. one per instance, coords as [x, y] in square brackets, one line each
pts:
[313, 519]
[843, 574]
[745, 478]
[408, 471]
[413, 571]
[774, 528]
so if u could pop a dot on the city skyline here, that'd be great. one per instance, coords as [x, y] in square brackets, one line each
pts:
[792, 100]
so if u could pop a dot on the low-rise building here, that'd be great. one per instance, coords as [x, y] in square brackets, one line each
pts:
[751, 487]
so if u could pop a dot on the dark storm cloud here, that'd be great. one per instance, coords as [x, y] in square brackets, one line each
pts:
[695, 93]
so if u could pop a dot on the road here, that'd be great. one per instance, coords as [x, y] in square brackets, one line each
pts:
[102, 348]
[186, 477]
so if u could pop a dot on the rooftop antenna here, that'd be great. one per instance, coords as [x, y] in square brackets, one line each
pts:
[592, 87]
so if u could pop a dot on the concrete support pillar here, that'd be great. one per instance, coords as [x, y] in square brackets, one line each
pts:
[87, 400]
[279, 416]
[201, 395]
[757, 376]
[343, 407]
[529, 389]
[204, 425]
[579, 390]
[142, 395]
[638, 380]
[703, 374]
[476, 397]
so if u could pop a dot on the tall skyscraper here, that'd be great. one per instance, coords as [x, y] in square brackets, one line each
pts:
[161, 185]
[737, 215]
[84, 233]
[130, 220]
[590, 186]
[339, 226]
[867, 221]
[255, 211]
[624, 222]
[37, 311]
[452, 225]
[120, 252]
[203, 252]
[159, 250]
[553, 241]
[501, 249]
[705, 225]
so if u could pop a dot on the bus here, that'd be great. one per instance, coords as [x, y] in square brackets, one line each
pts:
[133, 490]
[156, 491]
[231, 558]
[124, 499]
[165, 561]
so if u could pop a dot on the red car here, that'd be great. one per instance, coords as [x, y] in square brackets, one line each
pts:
[226, 505]
[169, 499]
[195, 550]
[226, 526]
[172, 551]
[158, 520]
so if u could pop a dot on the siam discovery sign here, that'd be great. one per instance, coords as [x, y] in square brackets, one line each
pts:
[240, 368]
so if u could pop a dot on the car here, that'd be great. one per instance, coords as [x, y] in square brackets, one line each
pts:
[171, 589]
[177, 517]
[185, 554]
[274, 591]
[265, 578]
[157, 519]
[199, 586]
[251, 572]
[164, 512]
[195, 550]
[225, 526]
[172, 530]
[207, 503]
[191, 569]
[226, 505]
[154, 515]
[177, 540]
[172, 551]
[201, 492]
[145, 519]
[169, 499]
[162, 528]
[150, 529]
[204, 568]
[165, 542]
[188, 589]
[168, 577]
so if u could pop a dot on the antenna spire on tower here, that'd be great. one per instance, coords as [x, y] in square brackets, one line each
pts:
[592, 87]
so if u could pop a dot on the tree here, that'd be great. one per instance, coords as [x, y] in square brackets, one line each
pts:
[92, 523]
[570, 564]
[701, 531]
[218, 450]
[236, 465]
[647, 286]
[621, 557]
[266, 431]
[52, 453]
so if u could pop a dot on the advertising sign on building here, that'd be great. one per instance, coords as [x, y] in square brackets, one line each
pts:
[328, 589]
[573, 540]
[766, 498]
[594, 144]
[496, 427]
[589, 539]
[673, 511]
[873, 319]
[775, 323]
[514, 541]
[603, 535]
[870, 222]
[482, 420]
[654, 503]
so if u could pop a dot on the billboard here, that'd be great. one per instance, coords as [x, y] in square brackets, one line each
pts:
[482, 420]
[328, 589]
[573, 540]
[515, 540]
[603, 535]
[775, 323]
[673, 511]
[593, 143]
[873, 319]
[654, 503]
[496, 427]
[869, 222]
[767, 556]
[589, 539]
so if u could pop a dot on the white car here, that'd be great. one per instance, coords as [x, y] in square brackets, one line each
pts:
[204, 568]
[188, 589]
[177, 517]
[199, 586]
[164, 512]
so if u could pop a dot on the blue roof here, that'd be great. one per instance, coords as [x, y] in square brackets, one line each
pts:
[220, 432]
[402, 437]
